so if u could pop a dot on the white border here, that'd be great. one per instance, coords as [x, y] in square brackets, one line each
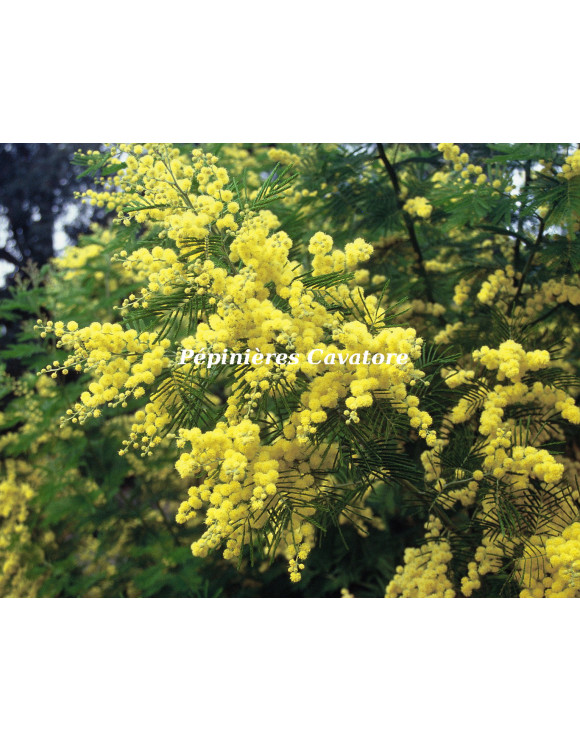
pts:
[259, 72]
[288, 669]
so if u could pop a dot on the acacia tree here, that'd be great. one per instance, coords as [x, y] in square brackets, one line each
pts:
[458, 469]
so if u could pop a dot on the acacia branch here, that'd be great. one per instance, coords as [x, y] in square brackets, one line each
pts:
[5, 255]
[507, 233]
[407, 219]
[528, 264]
[527, 169]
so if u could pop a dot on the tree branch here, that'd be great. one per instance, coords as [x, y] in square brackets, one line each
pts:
[521, 215]
[528, 264]
[408, 221]
[5, 255]
[507, 233]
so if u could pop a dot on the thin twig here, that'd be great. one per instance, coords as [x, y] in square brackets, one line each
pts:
[408, 221]
[507, 233]
[525, 189]
[528, 264]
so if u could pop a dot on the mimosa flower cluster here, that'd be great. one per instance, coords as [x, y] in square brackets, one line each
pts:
[250, 300]
[425, 571]
[514, 466]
